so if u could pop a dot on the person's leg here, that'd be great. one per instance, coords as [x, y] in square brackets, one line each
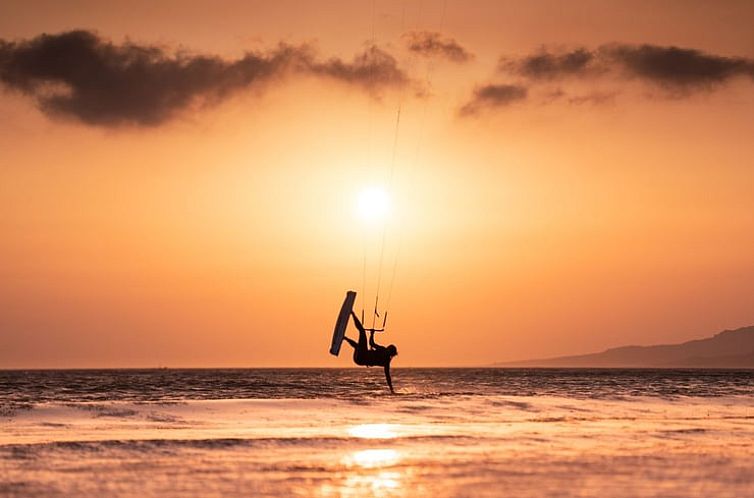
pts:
[356, 353]
[361, 348]
[363, 344]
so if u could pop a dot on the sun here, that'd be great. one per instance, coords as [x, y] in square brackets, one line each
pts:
[373, 204]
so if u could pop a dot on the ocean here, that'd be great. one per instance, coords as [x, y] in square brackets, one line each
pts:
[476, 432]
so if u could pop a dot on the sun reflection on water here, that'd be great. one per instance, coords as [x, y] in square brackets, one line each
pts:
[369, 459]
[369, 474]
[377, 472]
[381, 484]
[373, 431]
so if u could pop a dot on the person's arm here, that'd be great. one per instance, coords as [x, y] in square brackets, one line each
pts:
[371, 340]
[357, 322]
[389, 380]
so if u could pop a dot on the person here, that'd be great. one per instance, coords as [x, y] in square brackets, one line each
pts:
[373, 355]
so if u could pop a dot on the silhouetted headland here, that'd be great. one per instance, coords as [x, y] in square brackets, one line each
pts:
[727, 349]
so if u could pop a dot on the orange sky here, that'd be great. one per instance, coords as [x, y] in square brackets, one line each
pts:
[225, 235]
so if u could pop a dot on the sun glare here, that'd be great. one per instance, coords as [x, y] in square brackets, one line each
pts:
[373, 204]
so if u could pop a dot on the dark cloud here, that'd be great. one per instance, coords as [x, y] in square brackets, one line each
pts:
[547, 65]
[594, 98]
[79, 75]
[372, 69]
[678, 71]
[671, 67]
[674, 67]
[559, 95]
[431, 44]
[491, 96]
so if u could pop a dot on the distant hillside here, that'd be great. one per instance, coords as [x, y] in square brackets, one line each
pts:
[728, 349]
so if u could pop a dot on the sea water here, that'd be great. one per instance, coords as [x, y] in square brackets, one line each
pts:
[339, 433]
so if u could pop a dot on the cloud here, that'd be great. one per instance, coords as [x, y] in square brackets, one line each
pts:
[670, 67]
[594, 98]
[547, 65]
[79, 75]
[491, 96]
[432, 44]
[674, 67]
[371, 69]
[678, 72]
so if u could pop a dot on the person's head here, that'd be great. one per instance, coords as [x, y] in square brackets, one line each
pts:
[392, 350]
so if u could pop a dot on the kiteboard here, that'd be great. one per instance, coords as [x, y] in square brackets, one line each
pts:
[340, 326]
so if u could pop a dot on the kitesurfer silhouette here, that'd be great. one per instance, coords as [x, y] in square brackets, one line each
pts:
[374, 354]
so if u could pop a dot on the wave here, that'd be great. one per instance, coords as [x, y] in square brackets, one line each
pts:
[360, 385]
[35, 450]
